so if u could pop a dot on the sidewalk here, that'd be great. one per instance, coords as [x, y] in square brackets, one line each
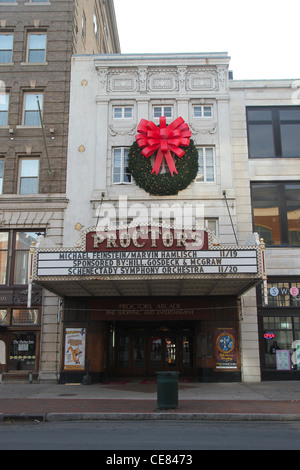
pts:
[137, 399]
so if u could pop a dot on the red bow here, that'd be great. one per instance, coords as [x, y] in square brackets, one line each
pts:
[164, 139]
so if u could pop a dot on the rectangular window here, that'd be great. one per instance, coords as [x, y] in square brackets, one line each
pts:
[159, 111]
[23, 351]
[206, 161]
[31, 109]
[276, 212]
[1, 174]
[36, 52]
[83, 26]
[201, 111]
[22, 244]
[273, 131]
[123, 112]
[6, 48]
[4, 236]
[121, 172]
[29, 175]
[4, 100]
[96, 27]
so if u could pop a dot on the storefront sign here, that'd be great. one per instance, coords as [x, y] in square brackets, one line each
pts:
[146, 238]
[132, 263]
[74, 349]
[226, 354]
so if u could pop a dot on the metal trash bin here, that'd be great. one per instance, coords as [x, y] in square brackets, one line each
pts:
[167, 389]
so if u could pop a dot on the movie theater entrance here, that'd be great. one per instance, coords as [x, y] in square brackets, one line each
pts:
[143, 350]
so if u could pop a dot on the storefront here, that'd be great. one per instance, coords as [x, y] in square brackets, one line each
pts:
[20, 326]
[136, 304]
[279, 329]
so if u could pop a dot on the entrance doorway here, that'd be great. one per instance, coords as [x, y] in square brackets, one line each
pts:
[143, 349]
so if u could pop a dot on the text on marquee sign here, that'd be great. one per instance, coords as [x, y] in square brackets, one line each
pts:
[118, 263]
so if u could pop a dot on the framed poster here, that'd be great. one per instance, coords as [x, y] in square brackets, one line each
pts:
[75, 349]
[226, 354]
[283, 359]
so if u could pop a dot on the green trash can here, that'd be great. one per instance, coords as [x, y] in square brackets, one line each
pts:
[167, 389]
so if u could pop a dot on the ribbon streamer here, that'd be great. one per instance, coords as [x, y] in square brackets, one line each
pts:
[163, 139]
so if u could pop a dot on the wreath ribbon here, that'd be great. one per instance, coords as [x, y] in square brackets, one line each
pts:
[163, 139]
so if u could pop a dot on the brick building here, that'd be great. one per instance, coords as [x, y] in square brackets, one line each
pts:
[37, 40]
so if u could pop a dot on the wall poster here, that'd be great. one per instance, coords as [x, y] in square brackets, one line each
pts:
[226, 354]
[75, 349]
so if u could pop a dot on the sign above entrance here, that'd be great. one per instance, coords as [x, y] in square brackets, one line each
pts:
[148, 238]
[141, 260]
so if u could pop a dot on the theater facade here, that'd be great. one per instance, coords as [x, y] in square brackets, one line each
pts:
[158, 263]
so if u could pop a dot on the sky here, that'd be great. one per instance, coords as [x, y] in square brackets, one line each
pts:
[262, 37]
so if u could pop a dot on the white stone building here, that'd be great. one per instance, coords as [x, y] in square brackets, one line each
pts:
[154, 310]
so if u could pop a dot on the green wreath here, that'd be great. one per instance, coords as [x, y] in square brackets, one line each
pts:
[163, 184]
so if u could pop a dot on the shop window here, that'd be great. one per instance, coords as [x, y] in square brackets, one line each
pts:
[273, 131]
[121, 172]
[22, 351]
[13, 269]
[206, 162]
[276, 212]
[283, 294]
[6, 48]
[36, 51]
[24, 317]
[3, 317]
[29, 176]
[4, 236]
[4, 100]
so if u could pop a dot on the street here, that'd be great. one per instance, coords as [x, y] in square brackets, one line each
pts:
[150, 435]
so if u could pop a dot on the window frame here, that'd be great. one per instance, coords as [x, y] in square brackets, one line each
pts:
[162, 107]
[283, 224]
[276, 125]
[30, 34]
[20, 177]
[123, 108]
[8, 33]
[6, 95]
[11, 250]
[25, 110]
[122, 166]
[205, 166]
[202, 106]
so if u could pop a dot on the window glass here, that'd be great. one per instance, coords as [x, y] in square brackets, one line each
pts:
[3, 317]
[121, 172]
[292, 195]
[24, 317]
[22, 351]
[266, 213]
[274, 131]
[29, 172]
[6, 47]
[3, 256]
[1, 174]
[37, 48]
[23, 242]
[290, 139]
[261, 142]
[4, 98]
[206, 165]
[31, 112]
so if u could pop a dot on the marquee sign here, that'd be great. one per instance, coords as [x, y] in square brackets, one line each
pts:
[147, 254]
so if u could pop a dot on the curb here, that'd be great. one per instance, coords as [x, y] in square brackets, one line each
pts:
[54, 417]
